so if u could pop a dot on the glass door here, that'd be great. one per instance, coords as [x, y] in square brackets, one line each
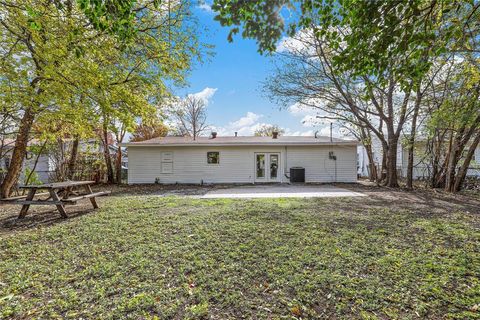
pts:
[267, 167]
[260, 166]
[273, 166]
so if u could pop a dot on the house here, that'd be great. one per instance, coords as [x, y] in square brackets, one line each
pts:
[240, 159]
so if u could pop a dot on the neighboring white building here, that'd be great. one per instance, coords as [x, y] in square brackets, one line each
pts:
[240, 159]
[42, 169]
[49, 160]
[421, 166]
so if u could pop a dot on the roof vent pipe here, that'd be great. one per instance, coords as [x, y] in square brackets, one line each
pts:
[236, 133]
[316, 134]
[214, 135]
[274, 134]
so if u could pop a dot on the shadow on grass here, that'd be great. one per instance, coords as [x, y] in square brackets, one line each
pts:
[34, 219]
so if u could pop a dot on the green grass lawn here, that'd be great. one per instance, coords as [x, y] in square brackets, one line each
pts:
[178, 258]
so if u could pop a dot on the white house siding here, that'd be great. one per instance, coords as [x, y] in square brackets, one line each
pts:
[420, 168]
[237, 164]
[320, 168]
[477, 156]
[377, 150]
[42, 169]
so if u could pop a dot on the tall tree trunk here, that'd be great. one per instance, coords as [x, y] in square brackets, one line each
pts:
[383, 170]
[462, 172]
[452, 164]
[108, 159]
[440, 182]
[73, 158]
[411, 142]
[18, 154]
[434, 145]
[118, 164]
[392, 179]
[411, 150]
[372, 169]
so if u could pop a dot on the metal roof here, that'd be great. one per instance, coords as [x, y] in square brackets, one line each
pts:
[241, 141]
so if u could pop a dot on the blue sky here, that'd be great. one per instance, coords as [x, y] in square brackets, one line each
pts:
[231, 82]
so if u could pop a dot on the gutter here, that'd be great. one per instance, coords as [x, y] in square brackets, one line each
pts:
[246, 144]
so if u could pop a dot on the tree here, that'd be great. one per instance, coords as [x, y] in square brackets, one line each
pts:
[191, 117]
[385, 48]
[366, 106]
[378, 31]
[267, 130]
[453, 125]
[146, 132]
[59, 66]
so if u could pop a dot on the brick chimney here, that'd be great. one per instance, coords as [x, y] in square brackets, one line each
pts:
[274, 134]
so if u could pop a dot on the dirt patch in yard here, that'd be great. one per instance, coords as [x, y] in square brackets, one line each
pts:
[420, 201]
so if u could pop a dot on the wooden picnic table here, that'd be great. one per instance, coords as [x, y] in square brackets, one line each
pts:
[58, 194]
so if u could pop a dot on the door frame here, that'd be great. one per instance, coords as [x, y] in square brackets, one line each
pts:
[267, 178]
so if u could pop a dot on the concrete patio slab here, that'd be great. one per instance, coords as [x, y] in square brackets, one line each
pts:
[281, 191]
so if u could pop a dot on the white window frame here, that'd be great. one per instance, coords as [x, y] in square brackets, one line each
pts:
[166, 162]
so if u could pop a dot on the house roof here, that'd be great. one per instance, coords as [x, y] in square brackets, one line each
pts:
[240, 141]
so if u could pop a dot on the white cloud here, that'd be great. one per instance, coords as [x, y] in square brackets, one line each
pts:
[248, 120]
[310, 121]
[249, 123]
[311, 118]
[244, 126]
[302, 42]
[298, 109]
[205, 95]
[205, 7]
[289, 132]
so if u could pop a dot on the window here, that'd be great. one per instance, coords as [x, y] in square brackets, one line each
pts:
[167, 162]
[213, 157]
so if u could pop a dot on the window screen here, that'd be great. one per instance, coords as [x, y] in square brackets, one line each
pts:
[213, 157]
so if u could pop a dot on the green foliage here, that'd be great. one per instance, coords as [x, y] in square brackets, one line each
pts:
[261, 20]
[115, 16]
[147, 257]
[77, 75]
[32, 177]
[267, 130]
[376, 36]
[459, 107]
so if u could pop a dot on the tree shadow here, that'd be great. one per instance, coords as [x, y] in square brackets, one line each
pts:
[421, 200]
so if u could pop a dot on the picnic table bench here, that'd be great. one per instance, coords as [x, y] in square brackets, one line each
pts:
[58, 194]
